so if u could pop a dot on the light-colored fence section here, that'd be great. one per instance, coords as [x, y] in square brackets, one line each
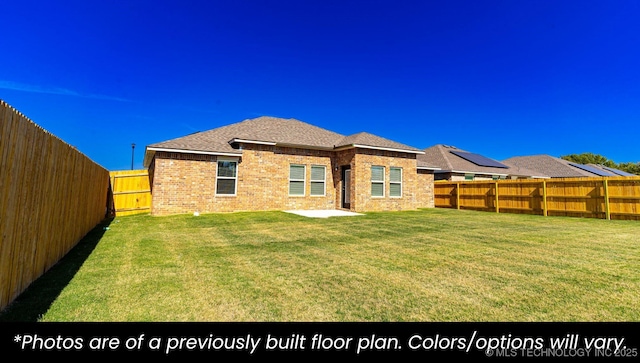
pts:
[51, 196]
[131, 192]
[606, 197]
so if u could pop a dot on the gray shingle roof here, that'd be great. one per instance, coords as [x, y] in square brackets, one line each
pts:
[548, 165]
[367, 139]
[422, 164]
[265, 129]
[285, 132]
[441, 156]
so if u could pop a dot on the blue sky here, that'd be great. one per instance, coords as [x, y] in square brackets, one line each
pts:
[500, 78]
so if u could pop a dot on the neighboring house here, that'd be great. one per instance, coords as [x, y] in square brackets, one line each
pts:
[271, 163]
[559, 168]
[456, 164]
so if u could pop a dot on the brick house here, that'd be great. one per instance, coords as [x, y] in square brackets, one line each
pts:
[271, 163]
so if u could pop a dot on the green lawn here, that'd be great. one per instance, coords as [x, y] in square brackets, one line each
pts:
[427, 265]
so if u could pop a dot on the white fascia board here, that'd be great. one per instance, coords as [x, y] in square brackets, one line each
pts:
[380, 148]
[183, 151]
[252, 142]
[299, 146]
[428, 168]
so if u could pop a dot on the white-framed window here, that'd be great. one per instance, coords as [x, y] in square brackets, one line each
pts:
[377, 181]
[318, 180]
[395, 182]
[469, 176]
[297, 174]
[226, 177]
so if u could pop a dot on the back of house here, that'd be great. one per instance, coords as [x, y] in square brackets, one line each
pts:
[269, 163]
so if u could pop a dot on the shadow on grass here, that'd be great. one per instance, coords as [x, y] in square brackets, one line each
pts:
[38, 297]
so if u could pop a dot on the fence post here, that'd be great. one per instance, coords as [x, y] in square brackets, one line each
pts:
[457, 195]
[497, 205]
[606, 199]
[544, 198]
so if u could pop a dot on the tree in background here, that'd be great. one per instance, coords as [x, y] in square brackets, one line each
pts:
[633, 168]
[591, 158]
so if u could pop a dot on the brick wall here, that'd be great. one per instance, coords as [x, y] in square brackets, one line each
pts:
[181, 183]
[425, 189]
[185, 183]
[263, 182]
[364, 160]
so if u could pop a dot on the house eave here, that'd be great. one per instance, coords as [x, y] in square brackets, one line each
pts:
[150, 152]
[300, 146]
[360, 146]
[280, 144]
[471, 172]
[257, 142]
[199, 152]
[428, 168]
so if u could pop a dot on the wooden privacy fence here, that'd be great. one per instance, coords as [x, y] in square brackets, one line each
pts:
[131, 192]
[51, 196]
[598, 197]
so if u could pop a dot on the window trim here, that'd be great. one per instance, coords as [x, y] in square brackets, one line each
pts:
[234, 178]
[378, 181]
[304, 180]
[323, 181]
[395, 182]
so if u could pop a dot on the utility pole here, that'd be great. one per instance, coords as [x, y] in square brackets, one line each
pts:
[133, 146]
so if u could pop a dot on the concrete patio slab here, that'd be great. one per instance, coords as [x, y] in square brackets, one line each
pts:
[326, 213]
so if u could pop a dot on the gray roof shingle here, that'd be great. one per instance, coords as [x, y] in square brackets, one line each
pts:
[549, 165]
[265, 129]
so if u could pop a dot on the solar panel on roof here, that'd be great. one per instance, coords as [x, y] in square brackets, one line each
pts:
[593, 170]
[479, 159]
[619, 172]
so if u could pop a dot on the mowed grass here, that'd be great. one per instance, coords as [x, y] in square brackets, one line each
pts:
[427, 265]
